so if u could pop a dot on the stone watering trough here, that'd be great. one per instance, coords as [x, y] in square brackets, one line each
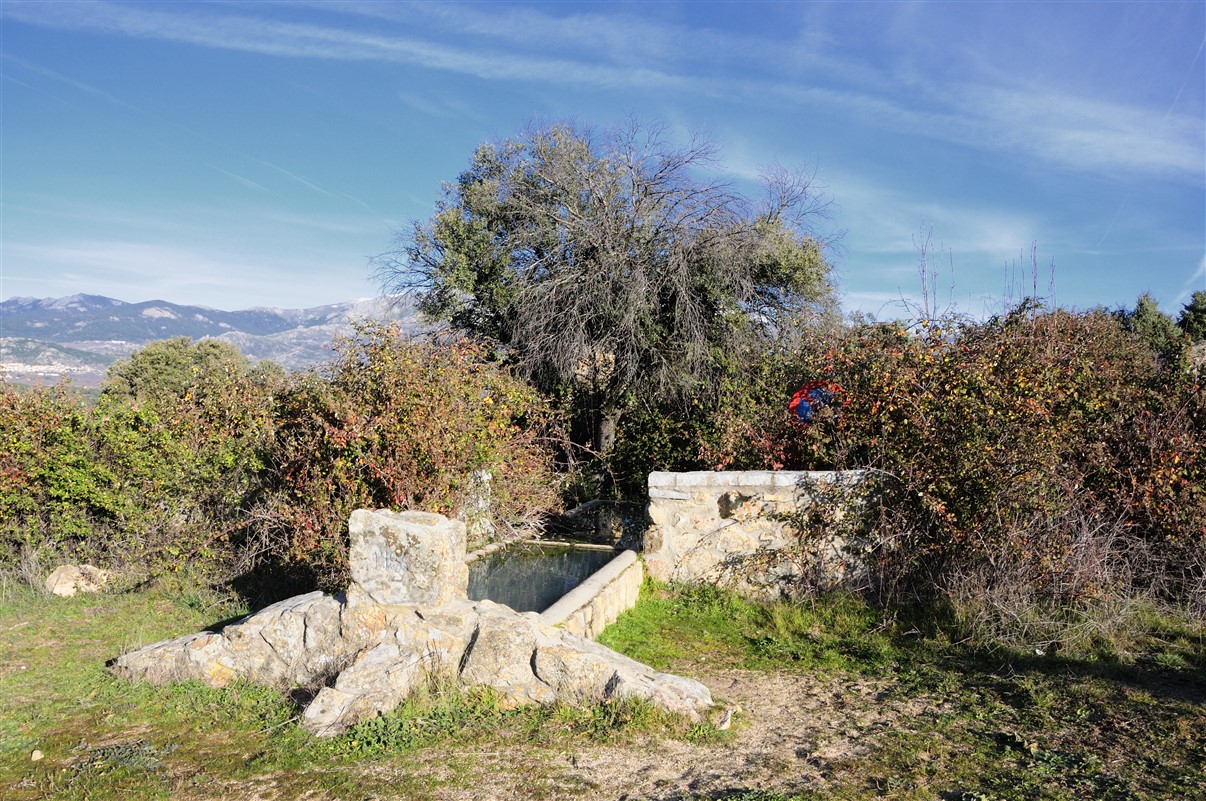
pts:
[406, 619]
[580, 588]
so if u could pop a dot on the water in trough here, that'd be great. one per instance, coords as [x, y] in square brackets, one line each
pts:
[531, 578]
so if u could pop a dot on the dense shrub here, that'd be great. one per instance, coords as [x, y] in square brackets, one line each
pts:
[48, 494]
[399, 424]
[155, 477]
[1056, 444]
[994, 428]
[194, 458]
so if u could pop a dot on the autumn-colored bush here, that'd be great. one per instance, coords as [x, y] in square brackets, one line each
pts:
[399, 424]
[195, 459]
[992, 442]
[991, 427]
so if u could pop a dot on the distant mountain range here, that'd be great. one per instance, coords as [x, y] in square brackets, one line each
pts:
[79, 336]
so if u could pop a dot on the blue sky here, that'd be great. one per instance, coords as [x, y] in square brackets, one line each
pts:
[257, 154]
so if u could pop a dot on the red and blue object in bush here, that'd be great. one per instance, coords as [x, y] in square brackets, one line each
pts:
[814, 396]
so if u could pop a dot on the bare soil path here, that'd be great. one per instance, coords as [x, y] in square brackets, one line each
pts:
[788, 733]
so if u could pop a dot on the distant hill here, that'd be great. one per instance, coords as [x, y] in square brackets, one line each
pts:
[79, 336]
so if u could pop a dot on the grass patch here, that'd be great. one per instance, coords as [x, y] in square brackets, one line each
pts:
[704, 624]
[1107, 723]
[973, 723]
[100, 737]
[443, 713]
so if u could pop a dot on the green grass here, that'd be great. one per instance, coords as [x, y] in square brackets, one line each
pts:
[999, 725]
[838, 633]
[1015, 726]
[106, 738]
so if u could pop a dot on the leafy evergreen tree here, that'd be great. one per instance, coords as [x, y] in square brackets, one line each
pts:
[608, 270]
[1193, 317]
[1156, 328]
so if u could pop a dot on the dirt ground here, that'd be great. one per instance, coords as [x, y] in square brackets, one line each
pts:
[788, 730]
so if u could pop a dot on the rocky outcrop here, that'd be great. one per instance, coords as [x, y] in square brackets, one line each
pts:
[298, 641]
[405, 621]
[67, 580]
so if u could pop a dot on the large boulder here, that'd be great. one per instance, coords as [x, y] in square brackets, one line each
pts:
[406, 621]
[484, 644]
[296, 642]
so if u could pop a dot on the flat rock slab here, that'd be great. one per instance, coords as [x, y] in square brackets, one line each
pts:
[365, 656]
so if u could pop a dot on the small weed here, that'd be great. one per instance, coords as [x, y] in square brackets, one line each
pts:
[615, 718]
[129, 756]
[748, 795]
[705, 734]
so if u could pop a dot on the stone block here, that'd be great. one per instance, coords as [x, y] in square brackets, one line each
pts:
[406, 558]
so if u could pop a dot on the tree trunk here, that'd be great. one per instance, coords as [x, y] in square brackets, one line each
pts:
[605, 429]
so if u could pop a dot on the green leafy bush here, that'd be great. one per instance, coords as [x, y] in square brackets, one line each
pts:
[155, 477]
[399, 424]
[48, 494]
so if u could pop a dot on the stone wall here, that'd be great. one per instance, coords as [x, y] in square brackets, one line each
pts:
[597, 602]
[768, 534]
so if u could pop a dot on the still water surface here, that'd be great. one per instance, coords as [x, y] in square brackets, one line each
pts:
[531, 578]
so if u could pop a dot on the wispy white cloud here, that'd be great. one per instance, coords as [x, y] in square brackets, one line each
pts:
[1196, 283]
[133, 268]
[306, 182]
[1087, 134]
[79, 85]
[189, 222]
[352, 225]
[136, 271]
[240, 180]
[248, 33]
[614, 36]
[1043, 122]
[243, 180]
[888, 220]
[439, 105]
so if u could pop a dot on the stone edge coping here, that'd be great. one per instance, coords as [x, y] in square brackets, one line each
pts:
[740, 478]
[495, 547]
[585, 592]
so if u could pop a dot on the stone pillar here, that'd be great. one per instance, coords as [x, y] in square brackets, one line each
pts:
[479, 524]
[406, 558]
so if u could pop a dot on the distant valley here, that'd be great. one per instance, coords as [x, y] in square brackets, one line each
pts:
[78, 337]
